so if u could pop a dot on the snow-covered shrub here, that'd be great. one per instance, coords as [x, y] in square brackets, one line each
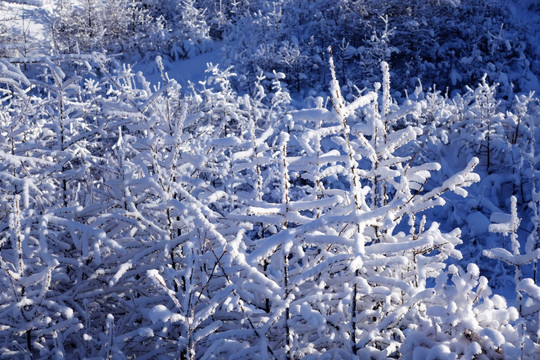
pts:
[10, 39]
[501, 134]
[170, 181]
[40, 235]
[509, 225]
[190, 32]
[112, 26]
[348, 262]
[79, 27]
[463, 320]
[154, 215]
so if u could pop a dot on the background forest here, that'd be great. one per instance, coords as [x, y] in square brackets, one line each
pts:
[269, 179]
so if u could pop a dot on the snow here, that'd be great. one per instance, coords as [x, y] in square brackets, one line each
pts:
[478, 223]
[187, 71]
[160, 313]
[529, 287]
[145, 332]
[439, 352]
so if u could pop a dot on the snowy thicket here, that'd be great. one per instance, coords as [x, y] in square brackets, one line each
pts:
[150, 222]
[308, 199]
[447, 43]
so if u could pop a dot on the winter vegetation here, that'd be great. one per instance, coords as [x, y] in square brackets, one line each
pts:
[343, 180]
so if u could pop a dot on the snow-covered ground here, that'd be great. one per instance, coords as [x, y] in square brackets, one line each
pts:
[185, 71]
